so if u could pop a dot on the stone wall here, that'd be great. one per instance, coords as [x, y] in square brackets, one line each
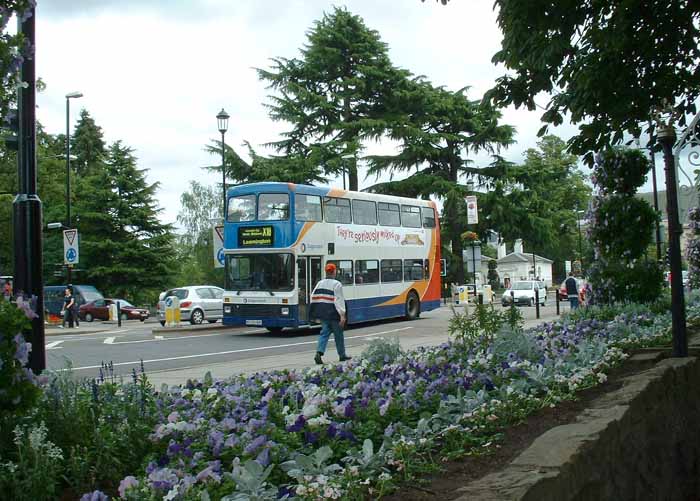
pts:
[639, 442]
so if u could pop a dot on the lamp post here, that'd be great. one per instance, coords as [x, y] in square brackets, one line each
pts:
[26, 217]
[657, 224]
[580, 248]
[667, 138]
[222, 121]
[69, 96]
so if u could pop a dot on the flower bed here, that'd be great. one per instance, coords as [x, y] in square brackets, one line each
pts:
[347, 431]
[361, 428]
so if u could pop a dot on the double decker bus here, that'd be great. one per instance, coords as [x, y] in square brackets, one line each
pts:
[278, 237]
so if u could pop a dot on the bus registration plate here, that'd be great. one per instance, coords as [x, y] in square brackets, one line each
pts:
[253, 322]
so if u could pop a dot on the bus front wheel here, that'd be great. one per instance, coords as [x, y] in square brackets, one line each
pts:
[412, 306]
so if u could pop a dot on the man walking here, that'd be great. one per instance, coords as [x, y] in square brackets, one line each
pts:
[328, 306]
[572, 291]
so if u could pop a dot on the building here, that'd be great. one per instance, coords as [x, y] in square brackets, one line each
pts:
[518, 265]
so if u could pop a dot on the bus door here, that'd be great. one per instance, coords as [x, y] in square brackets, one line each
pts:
[308, 275]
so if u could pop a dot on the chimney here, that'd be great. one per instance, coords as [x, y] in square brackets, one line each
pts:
[501, 250]
[518, 247]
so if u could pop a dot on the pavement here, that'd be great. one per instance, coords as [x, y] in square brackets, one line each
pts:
[301, 360]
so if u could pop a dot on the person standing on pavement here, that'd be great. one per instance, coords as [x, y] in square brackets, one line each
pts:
[572, 291]
[328, 306]
[67, 312]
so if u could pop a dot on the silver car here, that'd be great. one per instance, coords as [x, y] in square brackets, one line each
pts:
[197, 303]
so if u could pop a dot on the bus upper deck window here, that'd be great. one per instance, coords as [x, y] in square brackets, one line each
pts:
[410, 216]
[307, 207]
[241, 208]
[273, 207]
[337, 210]
[428, 217]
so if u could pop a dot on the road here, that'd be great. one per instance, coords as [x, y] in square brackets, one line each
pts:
[127, 346]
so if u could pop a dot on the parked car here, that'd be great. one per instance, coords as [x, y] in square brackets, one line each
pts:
[99, 310]
[523, 292]
[197, 303]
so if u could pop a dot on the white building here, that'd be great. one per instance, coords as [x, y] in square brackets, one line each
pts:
[518, 265]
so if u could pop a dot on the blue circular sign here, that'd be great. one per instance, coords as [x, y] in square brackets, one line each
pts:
[220, 256]
[169, 301]
[71, 255]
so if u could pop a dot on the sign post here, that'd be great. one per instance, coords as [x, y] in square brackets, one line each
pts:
[71, 247]
[472, 210]
[218, 239]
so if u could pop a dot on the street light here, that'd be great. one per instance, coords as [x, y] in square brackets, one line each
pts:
[580, 248]
[667, 137]
[222, 121]
[347, 156]
[69, 96]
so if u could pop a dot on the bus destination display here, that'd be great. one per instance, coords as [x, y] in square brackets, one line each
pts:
[255, 236]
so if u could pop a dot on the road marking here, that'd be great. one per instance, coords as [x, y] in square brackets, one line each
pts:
[230, 352]
[53, 345]
[180, 338]
[109, 340]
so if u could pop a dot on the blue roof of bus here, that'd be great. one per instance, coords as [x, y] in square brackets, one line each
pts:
[271, 187]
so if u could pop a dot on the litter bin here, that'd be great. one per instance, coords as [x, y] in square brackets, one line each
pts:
[112, 312]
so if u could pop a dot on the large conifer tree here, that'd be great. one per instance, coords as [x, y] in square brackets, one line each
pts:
[336, 95]
[125, 249]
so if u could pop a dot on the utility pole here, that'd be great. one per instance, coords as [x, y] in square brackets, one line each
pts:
[27, 224]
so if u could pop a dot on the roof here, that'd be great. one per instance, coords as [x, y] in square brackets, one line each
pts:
[687, 198]
[523, 257]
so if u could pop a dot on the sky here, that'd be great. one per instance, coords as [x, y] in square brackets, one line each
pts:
[155, 73]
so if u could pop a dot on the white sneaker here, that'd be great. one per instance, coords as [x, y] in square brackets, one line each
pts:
[60, 327]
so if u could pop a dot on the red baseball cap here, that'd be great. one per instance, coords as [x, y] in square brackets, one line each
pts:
[330, 268]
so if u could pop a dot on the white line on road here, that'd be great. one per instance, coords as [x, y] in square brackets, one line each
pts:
[244, 350]
[109, 340]
[53, 345]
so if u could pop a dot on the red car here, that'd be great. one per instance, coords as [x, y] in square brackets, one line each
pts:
[99, 309]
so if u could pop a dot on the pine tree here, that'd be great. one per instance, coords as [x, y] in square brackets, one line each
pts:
[87, 144]
[337, 95]
[436, 127]
[125, 250]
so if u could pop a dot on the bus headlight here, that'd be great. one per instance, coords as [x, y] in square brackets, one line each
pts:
[227, 309]
[285, 311]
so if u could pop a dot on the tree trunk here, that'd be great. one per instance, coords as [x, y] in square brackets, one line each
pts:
[352, 170]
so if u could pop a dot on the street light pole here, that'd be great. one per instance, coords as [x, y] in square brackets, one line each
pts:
[580, 248]
[657, 224]
[222, 120]
[69, 96]
[667, 138]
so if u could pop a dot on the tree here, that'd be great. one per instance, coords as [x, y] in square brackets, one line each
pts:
[437, 125]
[87, 144]
[293, 168]
[538, 201]
[195, 248]
[125, 249]
[607, 65]
[337, 95]
[13, 50]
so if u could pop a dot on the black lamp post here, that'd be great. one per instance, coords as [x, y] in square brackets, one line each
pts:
[28, 277]
[69, 96]
[580, 247]
[222, 121]
[667, 137]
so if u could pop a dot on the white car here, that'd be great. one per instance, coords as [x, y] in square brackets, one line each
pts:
[523, 292]
[197, 303]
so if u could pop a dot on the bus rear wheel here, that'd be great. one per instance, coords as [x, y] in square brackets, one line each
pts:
[274, 330]
[412, 306]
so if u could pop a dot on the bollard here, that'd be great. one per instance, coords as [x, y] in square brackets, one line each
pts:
[119, 314]
[537, 303]
[481, 298]
[557, 301]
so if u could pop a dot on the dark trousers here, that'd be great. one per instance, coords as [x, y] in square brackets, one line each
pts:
[68, 318]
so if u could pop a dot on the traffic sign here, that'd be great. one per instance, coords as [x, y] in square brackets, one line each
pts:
[71, 248]
[218, 235]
